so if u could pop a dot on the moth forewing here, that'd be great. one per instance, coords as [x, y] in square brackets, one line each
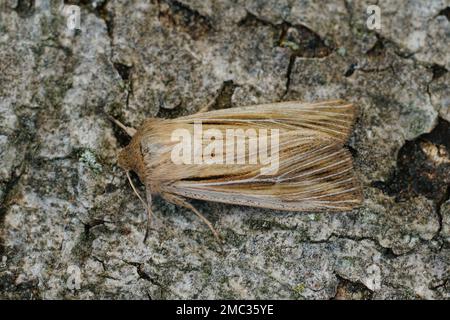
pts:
[322, 180]
[312, 171]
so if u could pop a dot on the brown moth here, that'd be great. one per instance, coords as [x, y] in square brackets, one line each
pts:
[314, 170]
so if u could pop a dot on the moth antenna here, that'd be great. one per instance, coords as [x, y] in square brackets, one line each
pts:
[129, 130]
[150, 214]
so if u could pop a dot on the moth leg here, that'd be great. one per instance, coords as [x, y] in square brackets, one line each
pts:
[207, 106]
[150, 214]
[183, 203]
[147, 205]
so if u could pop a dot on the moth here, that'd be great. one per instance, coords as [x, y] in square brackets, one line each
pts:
[313, 171]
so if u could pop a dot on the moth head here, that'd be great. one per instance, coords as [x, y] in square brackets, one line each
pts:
[130, 158]
[125, 159]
